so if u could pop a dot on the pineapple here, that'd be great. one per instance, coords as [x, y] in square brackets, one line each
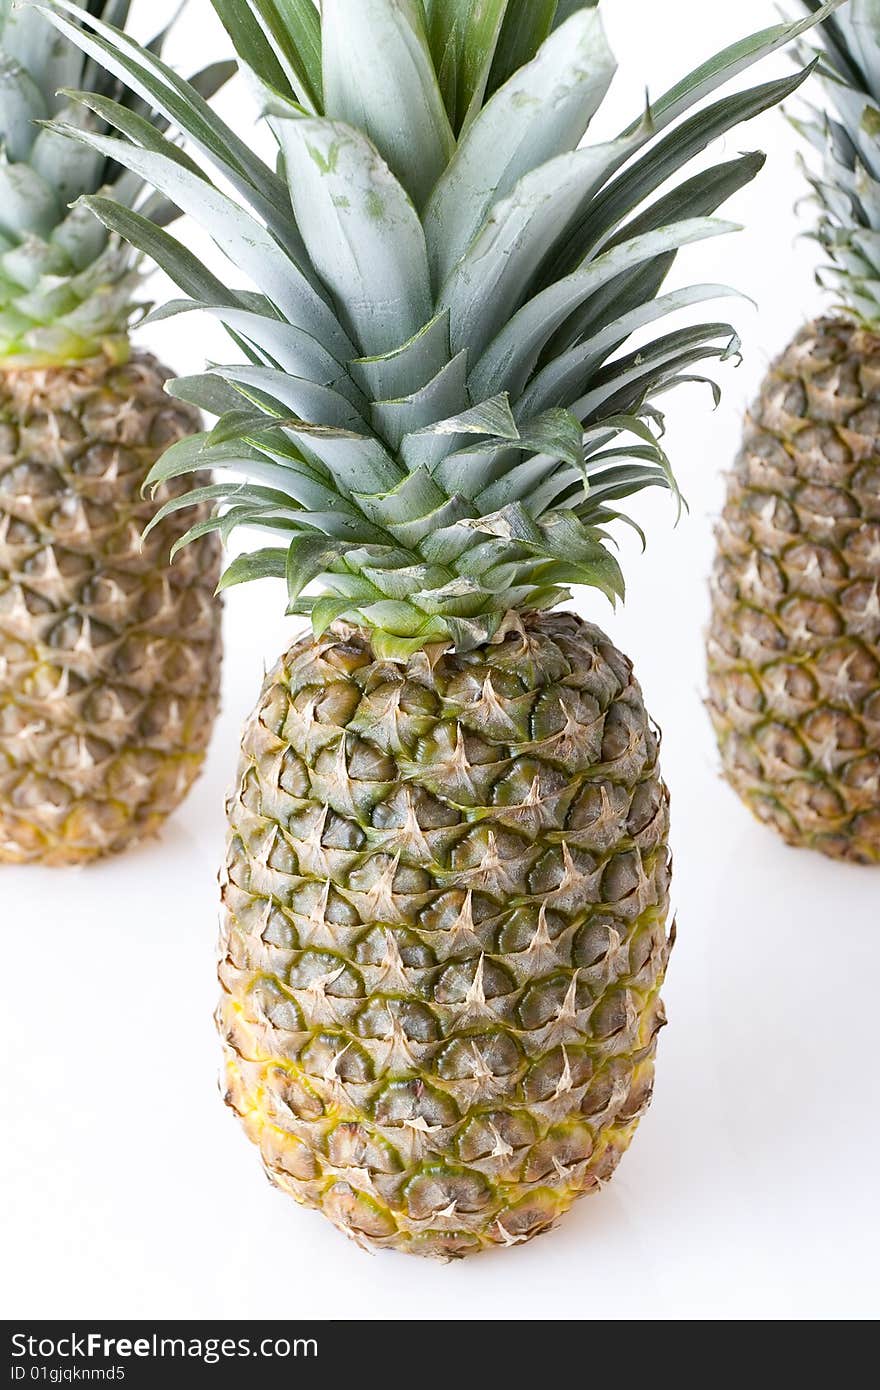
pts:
[109, 658]
[794, 642]
[446, 897]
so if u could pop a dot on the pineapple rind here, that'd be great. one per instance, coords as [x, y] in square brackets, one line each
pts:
[445, 931]
[109, 656]
[794, 642]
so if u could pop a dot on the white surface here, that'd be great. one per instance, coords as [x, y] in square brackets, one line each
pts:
[751, 1189]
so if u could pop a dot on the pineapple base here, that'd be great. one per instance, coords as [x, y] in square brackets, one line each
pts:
[109, 657]
[794, 642]
[445, 931]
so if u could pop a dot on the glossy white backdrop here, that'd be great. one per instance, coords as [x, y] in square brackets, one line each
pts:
[751, 1190]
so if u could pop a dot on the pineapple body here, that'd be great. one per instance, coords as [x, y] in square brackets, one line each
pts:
[794, 644]
[447, 884]
[445, 930]
[109, 656]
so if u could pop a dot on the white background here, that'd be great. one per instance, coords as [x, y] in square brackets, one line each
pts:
[751, 1191]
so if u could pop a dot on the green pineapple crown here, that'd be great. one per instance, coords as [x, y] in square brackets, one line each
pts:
[436, 409]
[68, 288]
[847, 187]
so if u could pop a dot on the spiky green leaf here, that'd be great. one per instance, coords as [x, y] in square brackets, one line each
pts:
[543, 112]
[394, 98]
[362, 232]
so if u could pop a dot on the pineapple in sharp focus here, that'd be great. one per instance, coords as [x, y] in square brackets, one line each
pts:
[446, 896]
[794, 642]
[109, 657]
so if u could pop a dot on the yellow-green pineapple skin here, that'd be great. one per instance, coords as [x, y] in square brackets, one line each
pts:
[109, 654]
[445, 931]
[794, 642]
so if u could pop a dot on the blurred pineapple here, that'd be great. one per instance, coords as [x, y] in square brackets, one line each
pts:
[794, 644]
[109, 656]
